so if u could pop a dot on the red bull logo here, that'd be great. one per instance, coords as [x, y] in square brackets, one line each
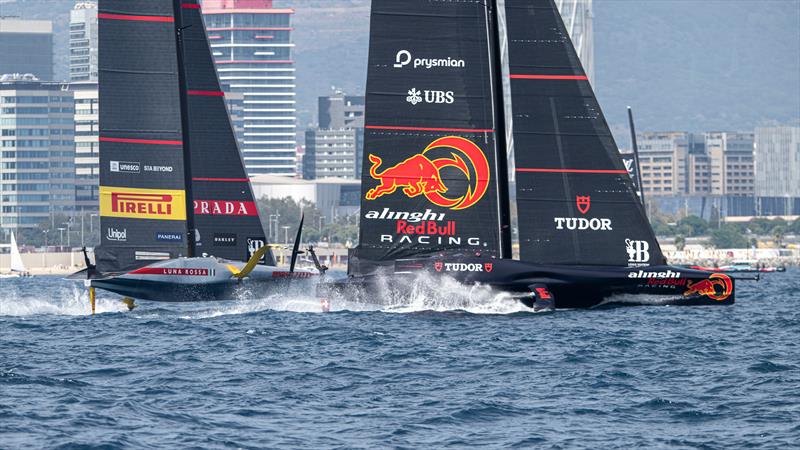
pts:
[717, 287]
[421, 175]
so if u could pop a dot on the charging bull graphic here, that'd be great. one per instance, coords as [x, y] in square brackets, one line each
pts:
[718, 287]
[421, 175]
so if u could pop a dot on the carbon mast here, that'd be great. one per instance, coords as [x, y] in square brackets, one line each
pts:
[191, 234]
[501, 145]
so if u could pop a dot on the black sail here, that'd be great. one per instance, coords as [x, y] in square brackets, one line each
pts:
[142, 191]
[225, 213]
[576, 201]
[429, 180]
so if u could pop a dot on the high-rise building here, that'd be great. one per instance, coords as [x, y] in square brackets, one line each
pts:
[83, 42]
[777, 162]
[87, 144]
[663, 159]
[26, 47]
[37, 153]
[252, 47]
[341, 111]
[334, 149]
[730, 158]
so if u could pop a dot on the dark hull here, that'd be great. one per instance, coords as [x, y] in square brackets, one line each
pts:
[569, 286]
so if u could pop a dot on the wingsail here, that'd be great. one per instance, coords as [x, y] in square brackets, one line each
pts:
[225, 213]
[172, 181]
[142, 190]
[430, 173]
[576, 202]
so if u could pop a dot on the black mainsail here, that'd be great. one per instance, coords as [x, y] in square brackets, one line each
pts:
[576, 202]
[225, 213]
[430, 178]
[168, 159]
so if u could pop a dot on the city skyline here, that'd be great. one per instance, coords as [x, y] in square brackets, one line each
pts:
[696, 66]
[257, 69]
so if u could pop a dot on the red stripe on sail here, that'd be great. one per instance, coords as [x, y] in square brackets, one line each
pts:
[190, 6]
[259, 61]
[605, 171]
[135, 18]
[251, 29]
[207, 93]
[454, 130]
[140, 141]
[243, 180]
[548, 77]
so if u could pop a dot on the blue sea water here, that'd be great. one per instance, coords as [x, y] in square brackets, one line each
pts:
[460, 370]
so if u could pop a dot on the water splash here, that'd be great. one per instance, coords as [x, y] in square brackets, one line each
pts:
[430, 292]
[27, 298]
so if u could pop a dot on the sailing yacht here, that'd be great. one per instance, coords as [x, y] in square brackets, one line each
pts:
[18, 268]
[436, 188]
[177, 214]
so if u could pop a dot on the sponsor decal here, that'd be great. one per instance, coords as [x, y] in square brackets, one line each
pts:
[488, 267]
[225, 240]
[461, 267]
[580, 223]
[114, 234]
[718, 287]
[584, 203]
[225, 208]
[437, 240]
[666, 282]
[430, 228]
[159, 204]
[432, 97]
[163, 169]
[650, 274]
[403, 58]
[292, 274]
[412, 217]
[420, 227]
[169, 237]
[124, 166]
[638, 252]
[253, 244]
[420, 175]
[175, 271]
[628, 165]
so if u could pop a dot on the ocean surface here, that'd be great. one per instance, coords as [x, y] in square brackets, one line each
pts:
[457, 368]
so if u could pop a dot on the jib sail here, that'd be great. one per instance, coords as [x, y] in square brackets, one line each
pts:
[575, 199]
[142, 191]
[166, 137]
[429, 181]
[225, 213]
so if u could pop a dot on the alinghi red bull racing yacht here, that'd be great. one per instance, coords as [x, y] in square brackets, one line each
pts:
[448, 133]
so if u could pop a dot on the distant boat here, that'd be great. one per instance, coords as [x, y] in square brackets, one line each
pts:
[178, 218]
[435, 181]
[18, 268]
